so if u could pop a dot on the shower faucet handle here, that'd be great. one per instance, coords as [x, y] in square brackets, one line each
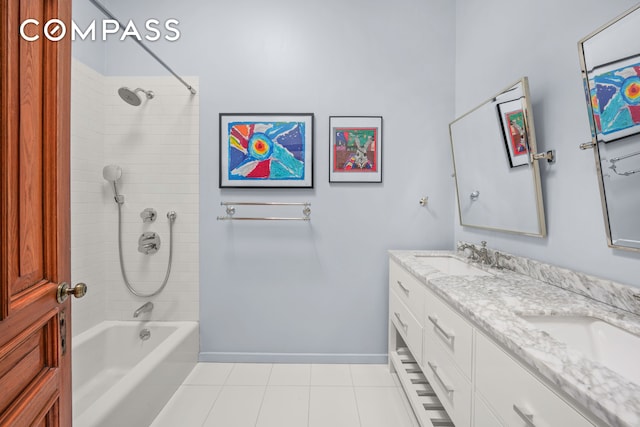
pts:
[148, 215]
[149, 243]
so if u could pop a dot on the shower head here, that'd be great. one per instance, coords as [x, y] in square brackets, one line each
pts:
[112, 173]
[131, 96]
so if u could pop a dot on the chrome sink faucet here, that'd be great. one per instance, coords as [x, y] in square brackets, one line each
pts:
[480, 255]
[497, 256]
[462, 247]
[146, 307]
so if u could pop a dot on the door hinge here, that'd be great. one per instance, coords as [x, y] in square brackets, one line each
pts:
[63, 331]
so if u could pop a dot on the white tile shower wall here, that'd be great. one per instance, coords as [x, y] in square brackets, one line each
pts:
[157, 146]
[87, 206]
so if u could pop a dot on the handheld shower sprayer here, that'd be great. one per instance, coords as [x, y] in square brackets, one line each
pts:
[112, 173]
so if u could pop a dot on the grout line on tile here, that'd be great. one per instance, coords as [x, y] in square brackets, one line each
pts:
[270, 373]
[213, 403]
[264, 393]
[309, 402]
[355, 398]
[309, 395]
[228, 374]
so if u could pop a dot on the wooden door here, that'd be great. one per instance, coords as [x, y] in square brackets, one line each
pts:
[35, 372]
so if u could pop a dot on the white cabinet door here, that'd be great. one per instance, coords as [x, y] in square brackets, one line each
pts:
[447, 329]
[409, 289]
[451, 386]
[517, 397]
[483, 416]
[407, 325]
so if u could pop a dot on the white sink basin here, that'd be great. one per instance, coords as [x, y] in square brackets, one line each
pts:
[599, 341]
[451, 266]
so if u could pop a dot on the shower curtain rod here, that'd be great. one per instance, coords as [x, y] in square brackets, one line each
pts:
[110, 15]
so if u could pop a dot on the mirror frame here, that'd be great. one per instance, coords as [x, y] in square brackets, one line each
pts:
[537, 184]
[594, 137]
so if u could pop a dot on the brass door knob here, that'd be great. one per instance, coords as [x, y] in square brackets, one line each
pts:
[64, 290]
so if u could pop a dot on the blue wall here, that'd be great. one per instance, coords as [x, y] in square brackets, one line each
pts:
[317, 292]
[91, 53]
[539, 40]
[312, 291]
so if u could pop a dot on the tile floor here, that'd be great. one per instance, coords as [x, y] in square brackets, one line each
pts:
[285, 395]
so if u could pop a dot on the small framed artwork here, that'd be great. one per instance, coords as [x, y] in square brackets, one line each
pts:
[615, 99]
[355, 149]
[514, 131]
[266, 150]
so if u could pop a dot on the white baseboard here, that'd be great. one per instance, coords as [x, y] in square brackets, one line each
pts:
[230, 357]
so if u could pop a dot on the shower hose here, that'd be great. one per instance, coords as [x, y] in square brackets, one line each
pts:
[172, 217]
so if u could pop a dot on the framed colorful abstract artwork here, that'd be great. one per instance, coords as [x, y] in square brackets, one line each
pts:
[355, 149]
[615, 99]
[514, 130]
[266, 150]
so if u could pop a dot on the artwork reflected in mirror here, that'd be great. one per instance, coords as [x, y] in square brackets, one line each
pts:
[515, 134]
[610, 61]
[498, 185]
[615, 98]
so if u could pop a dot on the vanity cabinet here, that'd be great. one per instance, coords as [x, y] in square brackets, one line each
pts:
[448, 331]
[406, 308]
[517, 396]
[448, 358]
[434, 348]
[407, 297]
[483, 416]
[451, 386]
[407, 326]
[409, 289]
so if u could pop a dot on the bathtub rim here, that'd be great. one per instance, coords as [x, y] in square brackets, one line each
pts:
[106, 404]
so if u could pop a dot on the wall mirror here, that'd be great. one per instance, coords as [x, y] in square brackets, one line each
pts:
[610, 61]
[497, 182]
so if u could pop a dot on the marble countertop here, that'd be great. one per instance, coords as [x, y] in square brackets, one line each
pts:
[494, 304]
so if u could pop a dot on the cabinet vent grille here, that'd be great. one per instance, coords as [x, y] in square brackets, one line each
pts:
[426, 405]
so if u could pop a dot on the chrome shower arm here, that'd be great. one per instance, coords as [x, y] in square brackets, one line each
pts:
[110, 15]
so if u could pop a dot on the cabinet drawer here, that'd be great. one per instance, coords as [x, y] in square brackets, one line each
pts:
[515, 394]
[451, 386]
[447, 329]
[409, 289]
[483, 416]
[407, 325]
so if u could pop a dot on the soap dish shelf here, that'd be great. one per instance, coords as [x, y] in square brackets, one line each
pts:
[426, 405]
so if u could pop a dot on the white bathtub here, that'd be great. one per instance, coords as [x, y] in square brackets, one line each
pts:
[121, 380]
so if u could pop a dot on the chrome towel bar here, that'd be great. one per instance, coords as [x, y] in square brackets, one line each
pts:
[231, 210]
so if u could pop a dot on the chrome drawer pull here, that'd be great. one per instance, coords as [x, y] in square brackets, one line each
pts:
[444, 385]
[406, 290]
[527, 418]
[404, 325]
[446, 334]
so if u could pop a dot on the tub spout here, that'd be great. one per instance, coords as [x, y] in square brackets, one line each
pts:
[146, 307]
